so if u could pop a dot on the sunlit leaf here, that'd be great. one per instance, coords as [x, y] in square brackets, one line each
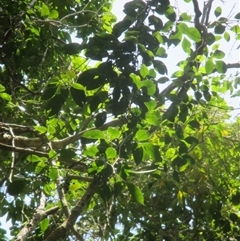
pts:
[94, 134]
[111, 153]
[218, 11]
[136, 193]
[144, 70]
[45, 10]
[209, 66]
[186, 45]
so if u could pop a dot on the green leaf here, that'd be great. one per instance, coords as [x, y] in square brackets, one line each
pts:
[218, 11]
[136, 193]
[53, 173]
[152, 118]
[183, 28]
[170, 14]
[185, 17]
[209, 66]
[151, 87]
[236, 30]
[49, 92]
[191, 140]
[113, 133]
[16, 187]
[51, 129]
[122, 26]
[110, 153]
[161, 52]
[198, 95]
[5, 96]
[137, 80]
[219, 29]
[78, 86]
[151, 104]
[163, 80]
[2, 88]
[142, 135]
[55, 104]
[100, 119]
[226, 36]
[151, 151]
[218, 54]
[44, 224]
[210, 39]
[179, 161]
[180, 198]
[207, 95]
[78, 96]
[72, 48]
[40, 167]
[171, 113]
[138, 155]
[45, 11]
[54, 14]
[194, 34]
[144, 70]
[221, 67]
[33, 158]
[186, 45]
[194, 124]
[157, 22]
[237, 16]
[66, 154]
[41, 129]
[94, 134]
[91, 151]
[160, 66]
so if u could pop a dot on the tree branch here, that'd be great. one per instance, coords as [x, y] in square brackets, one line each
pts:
[61, 230]
[28, 151]
[37, 142]
[38, 216]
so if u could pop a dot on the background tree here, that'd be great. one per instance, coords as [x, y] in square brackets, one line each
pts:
[100, 150]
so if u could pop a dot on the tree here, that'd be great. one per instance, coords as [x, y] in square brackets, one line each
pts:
[93, 147]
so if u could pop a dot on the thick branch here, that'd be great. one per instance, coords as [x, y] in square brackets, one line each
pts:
[37, 142]
[38, 216]
[28, 151]
[61, 230]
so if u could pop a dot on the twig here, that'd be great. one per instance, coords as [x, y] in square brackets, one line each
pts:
[13, 155]
[80, 178]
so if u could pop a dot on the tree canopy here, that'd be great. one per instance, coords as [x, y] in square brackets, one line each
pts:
[99, 141]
